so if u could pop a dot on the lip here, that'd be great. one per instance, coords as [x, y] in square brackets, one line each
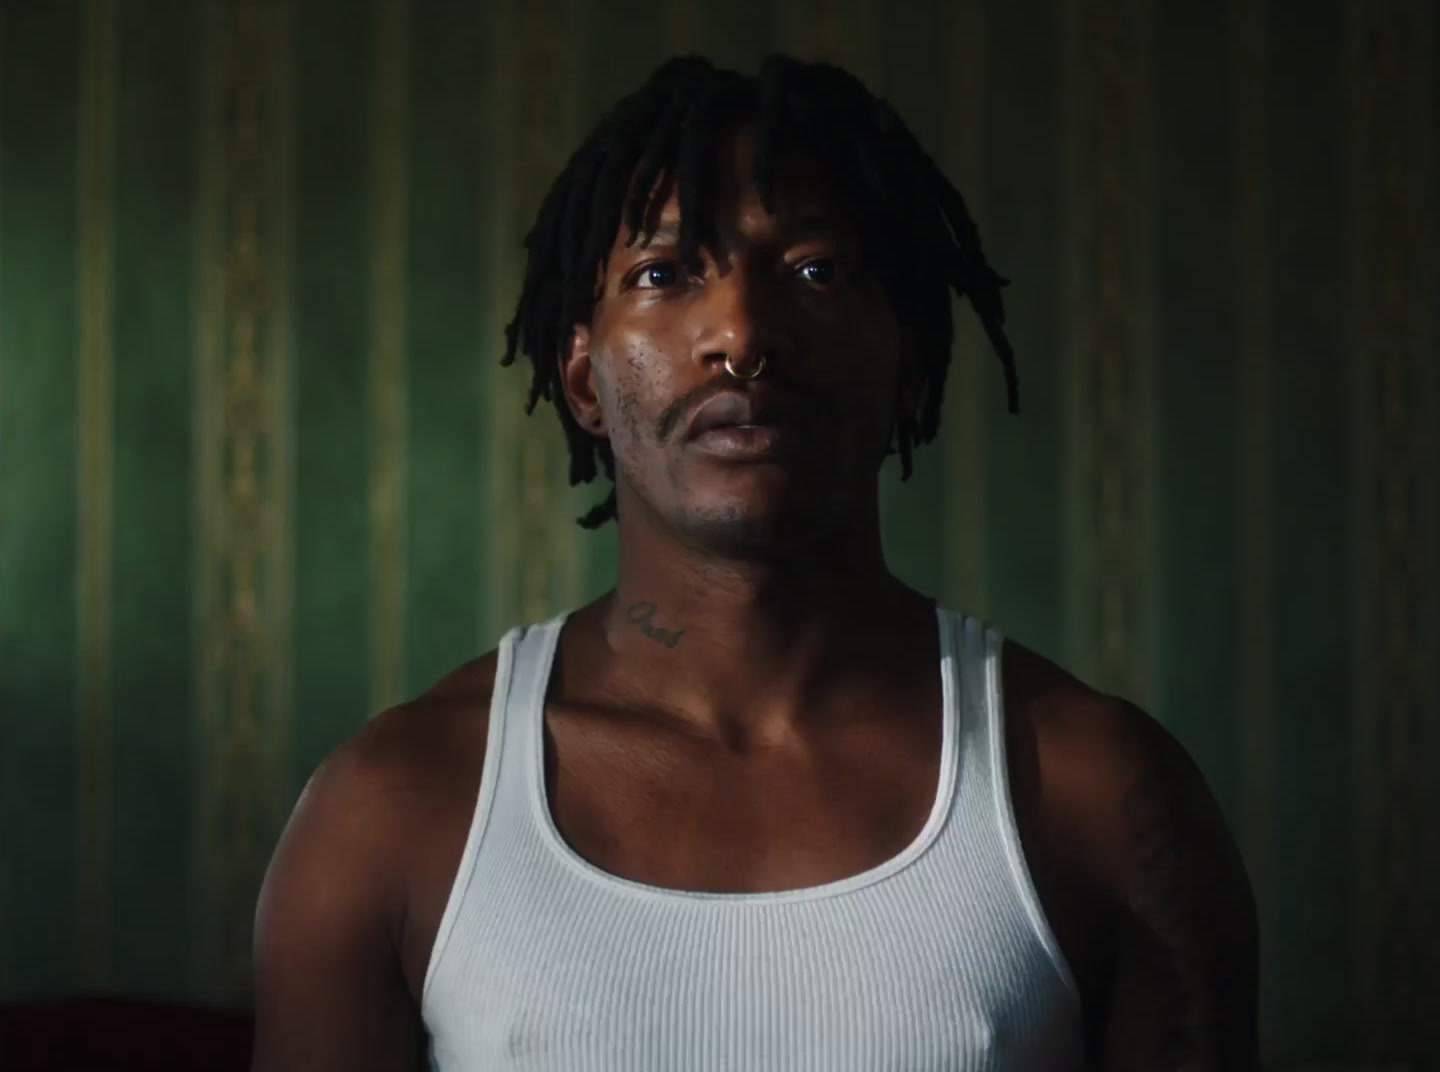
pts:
[737, 409]
[744, 442]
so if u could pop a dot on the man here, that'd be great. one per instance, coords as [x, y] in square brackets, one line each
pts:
[761, 807]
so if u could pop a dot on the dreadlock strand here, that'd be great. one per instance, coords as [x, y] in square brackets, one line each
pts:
[692, 178]
[774, 105]
[661, 148]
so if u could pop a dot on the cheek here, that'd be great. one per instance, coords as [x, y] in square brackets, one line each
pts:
[625, 384]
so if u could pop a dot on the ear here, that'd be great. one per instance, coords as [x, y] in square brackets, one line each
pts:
[577, 379]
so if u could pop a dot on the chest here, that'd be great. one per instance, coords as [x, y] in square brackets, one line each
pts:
[661, 809]
[672, 811]
[677, 814]
[857, 984]
[915, 973]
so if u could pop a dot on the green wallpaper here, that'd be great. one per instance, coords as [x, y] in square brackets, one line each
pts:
[260, 472]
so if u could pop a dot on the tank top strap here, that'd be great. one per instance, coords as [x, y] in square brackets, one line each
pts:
[526, 655]
[500, 821]
[986, 776]
[978, 656]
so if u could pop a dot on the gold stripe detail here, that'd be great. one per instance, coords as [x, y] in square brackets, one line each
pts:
[1109, 313]
[389, 209]
[208, 506]
[535, 562]
[1393, 276]
[277, 426]
[1249, 45]
[503, 387]
[553, 519]
[245, 481]
[971, 379]
[96, 256]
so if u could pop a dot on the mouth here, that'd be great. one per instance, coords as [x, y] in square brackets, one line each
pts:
[736, 426]
[745, 442]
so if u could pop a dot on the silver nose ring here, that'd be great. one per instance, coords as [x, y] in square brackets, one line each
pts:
[758, 368]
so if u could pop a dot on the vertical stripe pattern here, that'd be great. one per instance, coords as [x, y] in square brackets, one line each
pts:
[535, 565]
[503, 388]
[244, 367]
[1108, 309]
[1250, 110]
[207, 481]
[398, 491]
[275, 25]
[551, 514]
[95, 309]
[246, 379]
[972, 374]
[389, 226]
[1392, 254]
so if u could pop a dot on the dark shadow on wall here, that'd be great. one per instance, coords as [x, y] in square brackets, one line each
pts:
[119, 1034]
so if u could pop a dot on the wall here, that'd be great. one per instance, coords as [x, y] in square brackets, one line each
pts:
[260, 474]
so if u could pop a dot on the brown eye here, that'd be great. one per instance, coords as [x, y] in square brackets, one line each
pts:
[820, 271]
[657, 275]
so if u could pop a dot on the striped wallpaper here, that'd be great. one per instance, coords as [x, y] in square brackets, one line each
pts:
[261, 474]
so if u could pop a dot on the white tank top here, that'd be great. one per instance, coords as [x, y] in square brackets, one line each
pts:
[938, 960]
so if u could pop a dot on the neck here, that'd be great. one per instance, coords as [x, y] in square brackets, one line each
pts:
[752, 650]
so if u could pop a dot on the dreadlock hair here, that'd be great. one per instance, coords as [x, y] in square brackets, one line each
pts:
[913, 221]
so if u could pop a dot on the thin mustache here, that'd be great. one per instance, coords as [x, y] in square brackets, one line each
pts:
[692, 400]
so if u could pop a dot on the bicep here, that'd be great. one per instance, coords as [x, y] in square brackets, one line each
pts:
[329, 992]
[1184, 991]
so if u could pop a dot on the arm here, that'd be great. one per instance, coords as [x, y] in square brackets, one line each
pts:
[329, 992]
[1184, 992]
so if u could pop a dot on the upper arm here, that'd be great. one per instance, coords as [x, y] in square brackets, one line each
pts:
[1184, 991]
[329, 992]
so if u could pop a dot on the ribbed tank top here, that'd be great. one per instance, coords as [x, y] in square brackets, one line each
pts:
[938, 960]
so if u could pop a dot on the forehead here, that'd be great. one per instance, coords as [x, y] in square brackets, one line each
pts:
[803, 188]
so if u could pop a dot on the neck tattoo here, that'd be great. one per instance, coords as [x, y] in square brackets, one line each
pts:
[639, 615]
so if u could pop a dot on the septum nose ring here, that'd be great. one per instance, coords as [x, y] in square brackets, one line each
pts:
[754, 371]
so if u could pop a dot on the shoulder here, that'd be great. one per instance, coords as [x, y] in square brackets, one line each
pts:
[329, 927]
[406, 748]
[1127, 813]
[357, 817]
[1117, 778]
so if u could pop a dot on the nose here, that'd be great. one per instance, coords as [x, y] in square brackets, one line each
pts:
[740, 317]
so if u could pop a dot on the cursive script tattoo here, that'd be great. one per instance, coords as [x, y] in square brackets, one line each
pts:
[639, 615]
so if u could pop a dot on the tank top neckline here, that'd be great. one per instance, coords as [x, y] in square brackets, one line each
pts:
[531, 709]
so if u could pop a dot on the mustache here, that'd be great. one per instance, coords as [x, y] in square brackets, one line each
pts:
[806, 401]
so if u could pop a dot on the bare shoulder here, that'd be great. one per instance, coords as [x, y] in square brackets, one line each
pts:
[1137, 820]
[421, 739]
[334, 908]
[404, 758]
[1116, 771]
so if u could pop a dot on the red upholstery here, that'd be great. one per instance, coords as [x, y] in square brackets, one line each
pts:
[118, 1034]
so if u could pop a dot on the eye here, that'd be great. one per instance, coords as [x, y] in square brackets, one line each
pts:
[820, 270]
[656, 275]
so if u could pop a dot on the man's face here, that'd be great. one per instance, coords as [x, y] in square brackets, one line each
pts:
[789, 286]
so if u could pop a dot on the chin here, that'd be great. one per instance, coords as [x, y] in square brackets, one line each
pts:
[750, 528]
